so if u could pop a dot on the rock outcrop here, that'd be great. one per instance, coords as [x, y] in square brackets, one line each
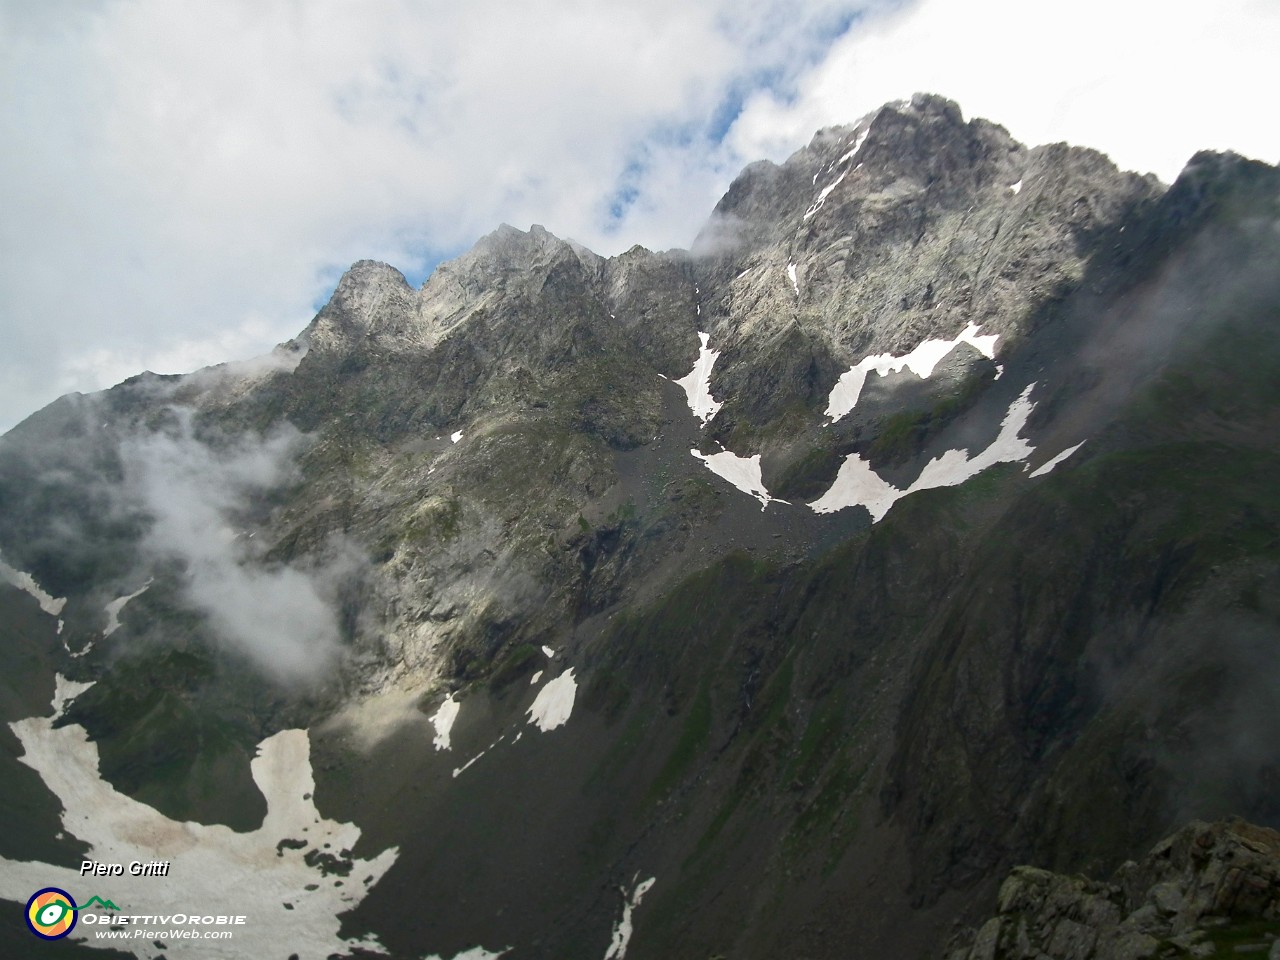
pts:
[1210, 890]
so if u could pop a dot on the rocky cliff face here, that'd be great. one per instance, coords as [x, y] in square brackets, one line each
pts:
[1209, 890]
[917, 523]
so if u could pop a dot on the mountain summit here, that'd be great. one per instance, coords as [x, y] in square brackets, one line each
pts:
[772, 598]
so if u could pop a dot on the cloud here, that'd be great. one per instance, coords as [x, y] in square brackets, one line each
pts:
[201, 500]
[1146, 84]
[182, 184]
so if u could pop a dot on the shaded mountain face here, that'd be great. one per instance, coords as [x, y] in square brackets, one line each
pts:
[768, 599]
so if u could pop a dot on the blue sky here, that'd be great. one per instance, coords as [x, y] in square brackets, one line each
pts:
[184, 183]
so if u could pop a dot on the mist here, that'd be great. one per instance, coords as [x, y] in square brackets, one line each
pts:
[201, 500]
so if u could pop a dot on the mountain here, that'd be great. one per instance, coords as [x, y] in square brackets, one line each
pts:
[774, 598]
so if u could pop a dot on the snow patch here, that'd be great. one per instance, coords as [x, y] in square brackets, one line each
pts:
[857, 484]
[1046, 467]
[459, 770]
[455, 437]
[791, 272]
[697, 383]
[64, 691]
[77, 654]
[241, 873]
[533, 681]
[475, 953]
[857, 145]
[1016, 187]
[742, 472]
[921, 361]
[550, 654]
[444, 720]
[822, 196]
[115, 606]
[622, 930]
[955, 466]
[554, 703]
[27, 583]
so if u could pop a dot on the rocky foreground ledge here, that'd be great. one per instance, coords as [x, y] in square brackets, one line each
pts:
[1210, 890]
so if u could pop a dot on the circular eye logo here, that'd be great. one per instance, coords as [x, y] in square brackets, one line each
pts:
[51, 913]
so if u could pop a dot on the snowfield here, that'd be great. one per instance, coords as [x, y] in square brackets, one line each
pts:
[554, 703]
[921, 361]
[742, 472]
[696, 384]
[291, 906]
[858, 485]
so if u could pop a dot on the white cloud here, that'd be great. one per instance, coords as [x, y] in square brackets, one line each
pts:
[1147, 83]
[181, 183]
[281, 617]
[180, 180]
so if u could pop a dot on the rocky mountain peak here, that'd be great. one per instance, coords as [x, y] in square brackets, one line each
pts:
[373, 304]
[363, 283]
[507, 259]
[368, 296]
[511, 246]
[919, 138]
